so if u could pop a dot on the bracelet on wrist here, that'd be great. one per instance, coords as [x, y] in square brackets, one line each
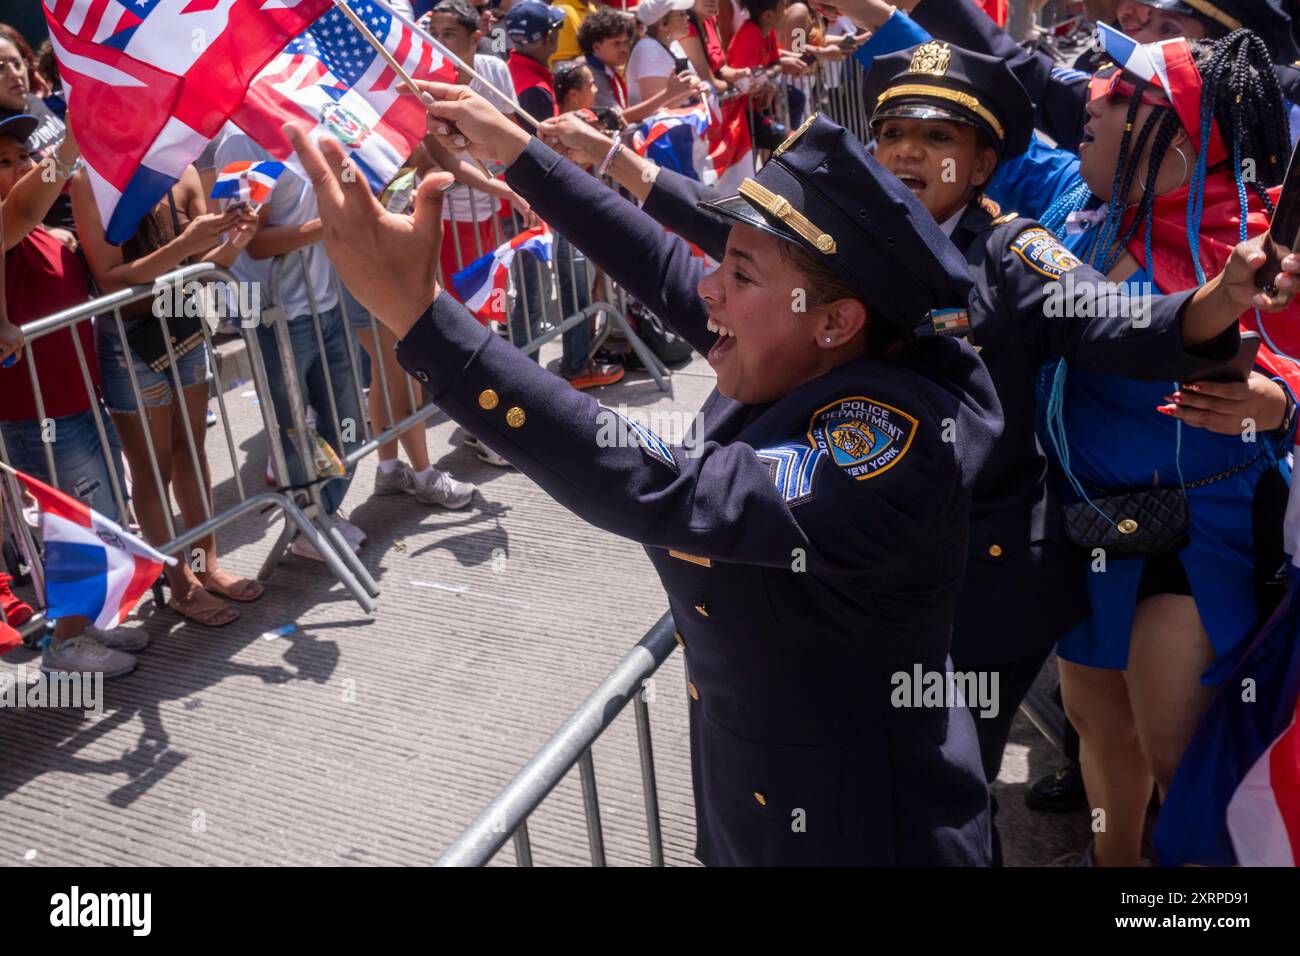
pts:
[610, 156]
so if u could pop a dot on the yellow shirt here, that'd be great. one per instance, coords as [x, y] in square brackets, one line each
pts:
[575, 11]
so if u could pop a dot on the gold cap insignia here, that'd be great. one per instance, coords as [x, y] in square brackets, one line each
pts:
[932, 58]
[790, 140]
[778, 207]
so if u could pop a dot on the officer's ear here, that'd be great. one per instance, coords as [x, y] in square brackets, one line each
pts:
[986, 161]
[842, 321]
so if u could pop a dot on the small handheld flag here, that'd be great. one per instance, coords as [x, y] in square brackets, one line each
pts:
[93, 568]
[482, 284]
[248, 181]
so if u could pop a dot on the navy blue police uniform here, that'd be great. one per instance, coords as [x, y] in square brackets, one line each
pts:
[1060, 94]
[812, 547]
[1024, 586]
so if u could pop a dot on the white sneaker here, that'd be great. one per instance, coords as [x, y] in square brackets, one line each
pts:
[354, 536]
[440, 488]
[399, 481]
[82, 655]
[119, 638]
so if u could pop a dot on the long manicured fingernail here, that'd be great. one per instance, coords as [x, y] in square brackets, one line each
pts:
[1171, 398]
[459, 140]
[441, 130]
[1192, 387]
[1169, 410]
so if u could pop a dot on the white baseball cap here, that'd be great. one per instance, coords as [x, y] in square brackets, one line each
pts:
[652, 11]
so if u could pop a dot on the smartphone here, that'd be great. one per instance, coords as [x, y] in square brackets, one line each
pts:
[1285, 230]
[1238, 370]
[809, 58]
[680, 63]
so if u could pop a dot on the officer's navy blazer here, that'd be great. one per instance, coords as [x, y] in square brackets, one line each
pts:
[812, 577]
[1025, 585]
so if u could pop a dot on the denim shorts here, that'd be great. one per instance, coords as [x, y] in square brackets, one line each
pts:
[155, 387]
[79, 457]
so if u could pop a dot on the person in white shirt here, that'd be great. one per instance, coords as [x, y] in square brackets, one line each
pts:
[658, 56]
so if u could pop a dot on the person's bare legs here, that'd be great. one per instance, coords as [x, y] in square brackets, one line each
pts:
[413, 439]
[1115, 772]
[1168, 653]
[189, 598]
[194, 487]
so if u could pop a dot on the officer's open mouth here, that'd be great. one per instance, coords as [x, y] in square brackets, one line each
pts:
[912, 182]
[1088, 137]
[726, 342]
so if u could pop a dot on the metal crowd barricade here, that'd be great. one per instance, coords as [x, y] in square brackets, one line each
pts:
[506, 817]
[105, 314]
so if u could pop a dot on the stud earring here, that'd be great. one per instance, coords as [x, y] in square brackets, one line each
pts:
[828, 341]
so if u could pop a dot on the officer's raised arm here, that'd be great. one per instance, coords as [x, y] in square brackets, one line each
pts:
[658, 269]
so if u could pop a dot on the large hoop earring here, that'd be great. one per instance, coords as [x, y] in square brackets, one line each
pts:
[1187, 168]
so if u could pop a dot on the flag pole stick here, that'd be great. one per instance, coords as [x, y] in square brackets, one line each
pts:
[8, 468]
[461, 64]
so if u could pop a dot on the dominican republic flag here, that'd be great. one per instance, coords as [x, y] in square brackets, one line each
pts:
[93, 568]
[675, 139]
[730, 158]
[1235, 799]
[150, 82]
[1169, 63]
[482, 286]
[248, 181]
[330, 78]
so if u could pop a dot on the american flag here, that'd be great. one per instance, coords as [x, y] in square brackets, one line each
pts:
[150, 82]
[331, 77]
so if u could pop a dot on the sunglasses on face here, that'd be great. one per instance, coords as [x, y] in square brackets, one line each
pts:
[1116, 87]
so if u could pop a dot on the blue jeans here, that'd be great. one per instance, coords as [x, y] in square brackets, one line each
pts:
[79, 457]
[309, 367]
[575, 284]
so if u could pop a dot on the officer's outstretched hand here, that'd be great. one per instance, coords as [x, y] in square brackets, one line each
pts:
[461, 120]
[387, 261]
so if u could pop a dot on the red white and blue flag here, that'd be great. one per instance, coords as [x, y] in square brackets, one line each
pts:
[247, 181]
[707, 142]
[1235, 799]
[330, 78]
[93, 568]
[483, 285]
[150, 82]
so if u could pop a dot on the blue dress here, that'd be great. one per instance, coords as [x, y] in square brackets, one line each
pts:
[1118, 441]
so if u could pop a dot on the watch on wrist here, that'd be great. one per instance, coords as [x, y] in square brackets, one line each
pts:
[64, 170]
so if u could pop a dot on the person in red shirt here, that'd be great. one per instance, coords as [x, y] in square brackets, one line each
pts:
[534, 29]
[43, 276]
[703, 46]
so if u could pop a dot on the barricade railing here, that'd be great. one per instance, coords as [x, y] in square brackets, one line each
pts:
[506, 817]
[100, 325]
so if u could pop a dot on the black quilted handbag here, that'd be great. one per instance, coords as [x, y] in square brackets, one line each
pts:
[1147, 522]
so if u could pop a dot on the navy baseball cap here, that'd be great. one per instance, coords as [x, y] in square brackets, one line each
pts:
[941, 81]
[823, 191]
[530, 21]
[18, 125]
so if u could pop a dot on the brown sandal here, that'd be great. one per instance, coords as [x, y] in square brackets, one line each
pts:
[211, 616]
[244, 590]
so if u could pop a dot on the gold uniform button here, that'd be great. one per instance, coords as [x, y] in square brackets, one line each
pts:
[515, 417]
[995, 550]
[762, 800]
[702, 610]
[677, 635]
[1127, 526]
[488, 400]
[690, 687]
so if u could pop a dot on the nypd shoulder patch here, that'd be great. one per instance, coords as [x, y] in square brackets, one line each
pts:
[650, 443]
[862, 436]
[1043, 252]
[792, 466]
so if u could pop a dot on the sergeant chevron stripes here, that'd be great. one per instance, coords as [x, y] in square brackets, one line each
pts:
[793, 467]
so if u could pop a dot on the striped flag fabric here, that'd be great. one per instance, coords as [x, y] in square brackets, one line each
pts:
[150, 82]
[483, 285]
[330, 78]
[1235, 798]
[247, 181]
[93, 568]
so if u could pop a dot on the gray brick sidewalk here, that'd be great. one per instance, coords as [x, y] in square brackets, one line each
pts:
[359, 739]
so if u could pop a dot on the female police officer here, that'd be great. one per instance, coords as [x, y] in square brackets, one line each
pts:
[812, 543]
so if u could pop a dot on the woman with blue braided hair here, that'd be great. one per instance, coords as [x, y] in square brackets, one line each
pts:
[1171, 174]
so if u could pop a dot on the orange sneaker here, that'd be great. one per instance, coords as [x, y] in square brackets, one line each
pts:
[17, 611]
[595, 375]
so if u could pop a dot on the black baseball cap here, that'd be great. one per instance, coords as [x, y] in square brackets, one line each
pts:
[20, 126]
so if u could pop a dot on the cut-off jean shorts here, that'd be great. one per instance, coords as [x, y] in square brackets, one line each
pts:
[155, 387]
